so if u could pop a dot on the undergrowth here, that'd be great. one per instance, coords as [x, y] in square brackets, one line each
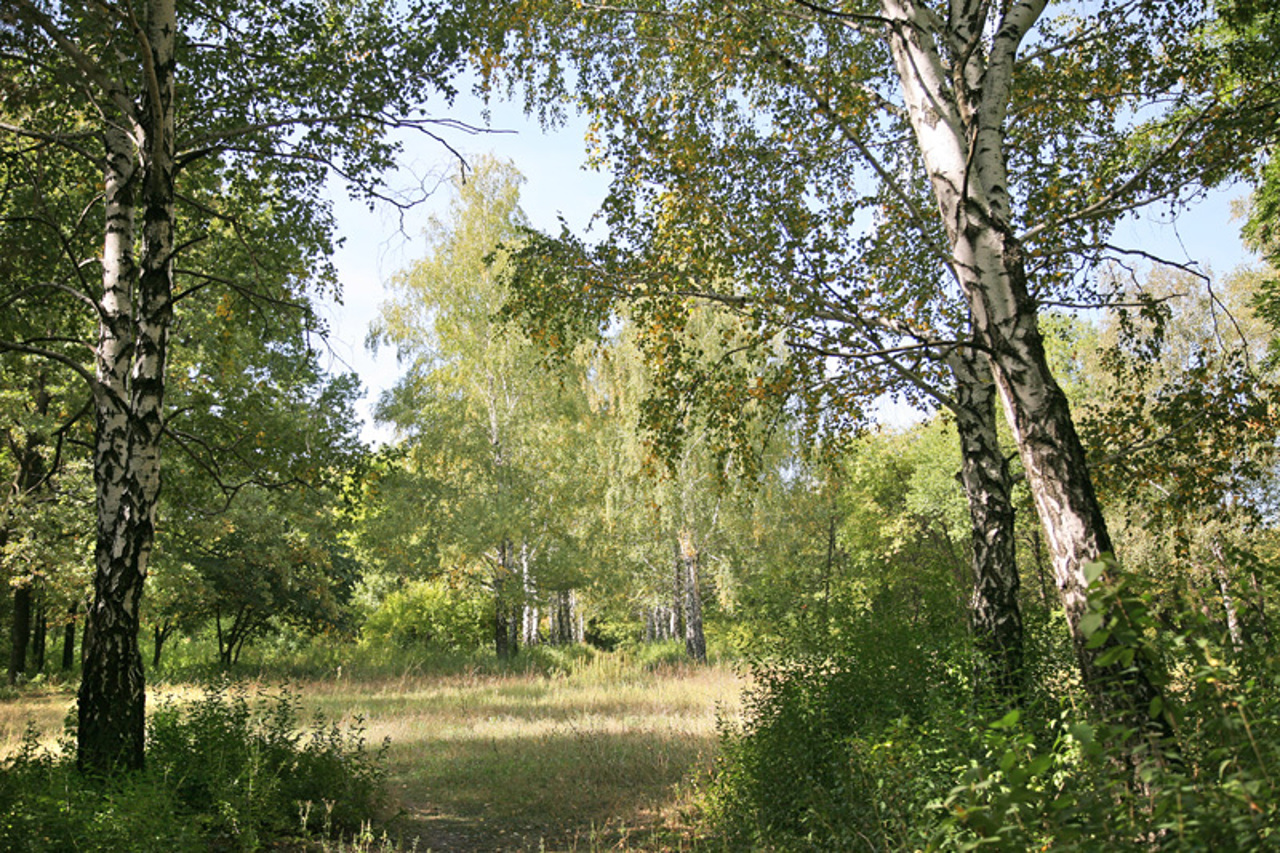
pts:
[883, 743]
[228, 771]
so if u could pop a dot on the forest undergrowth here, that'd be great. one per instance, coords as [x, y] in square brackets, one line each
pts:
[562, 750]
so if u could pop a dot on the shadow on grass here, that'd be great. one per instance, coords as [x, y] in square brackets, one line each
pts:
[570, 789]
[495, 707]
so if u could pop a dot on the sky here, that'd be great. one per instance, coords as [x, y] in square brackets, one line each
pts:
[378, 244]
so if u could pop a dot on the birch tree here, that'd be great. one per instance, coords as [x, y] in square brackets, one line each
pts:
[185, 111]
[477, 411]
[934, 172]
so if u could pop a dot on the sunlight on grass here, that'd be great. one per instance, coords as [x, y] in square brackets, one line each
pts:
[604, 757]
[518, 761]
[48, 709]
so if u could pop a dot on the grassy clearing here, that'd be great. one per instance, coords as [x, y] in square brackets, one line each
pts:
[602, 758]
[596, 758]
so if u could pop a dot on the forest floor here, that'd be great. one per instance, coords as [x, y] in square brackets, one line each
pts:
[603, 759]
[606, 758]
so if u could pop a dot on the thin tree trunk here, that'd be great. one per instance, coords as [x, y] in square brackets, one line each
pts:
[28, 479]
[69, 639]
[159, 636]
[506, 629]
[995, 614]
[529, 616]
[677, 591]
[1228, 603]
[695, 642]
[563, 630]
[39, 638]
[20, 632]
[827, 569]
[1259, 605]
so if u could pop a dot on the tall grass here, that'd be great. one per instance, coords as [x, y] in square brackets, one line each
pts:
[562, 749]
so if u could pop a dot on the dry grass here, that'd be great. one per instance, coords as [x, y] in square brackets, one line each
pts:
[45, 709]
[526, 762]
[604, 758]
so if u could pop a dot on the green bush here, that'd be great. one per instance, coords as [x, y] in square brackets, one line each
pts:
[221, 774]
[839, 751]
[431, 615]
[885, 745]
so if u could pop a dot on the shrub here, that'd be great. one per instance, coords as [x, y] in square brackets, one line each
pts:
[884, 745]
[220, 773]
[432, 615]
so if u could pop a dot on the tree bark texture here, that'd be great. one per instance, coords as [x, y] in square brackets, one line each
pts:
[958, 114]
[1228, 601]
[69, 640]
[695, 642]
[506, 625]
[995, 613]
[564, 618]
[530, 617]
[39, 637]
[135, 316]
[159, 635]
[29, 478]
[20, 632]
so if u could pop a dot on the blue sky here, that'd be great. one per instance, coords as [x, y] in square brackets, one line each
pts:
[376, 248]
[557, 184]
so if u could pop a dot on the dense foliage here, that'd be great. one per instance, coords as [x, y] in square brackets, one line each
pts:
[664, 443]
[227, 771]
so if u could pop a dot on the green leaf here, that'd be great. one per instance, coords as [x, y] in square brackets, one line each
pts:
[1040, 764]
[1008, 721]
[1082, 732]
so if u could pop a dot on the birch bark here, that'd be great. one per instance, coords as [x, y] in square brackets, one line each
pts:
[134, 318]
[695, 641]
[957, 112]
[995, 614]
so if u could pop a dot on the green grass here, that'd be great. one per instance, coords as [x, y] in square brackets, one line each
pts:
[604, 755]
[600, 754]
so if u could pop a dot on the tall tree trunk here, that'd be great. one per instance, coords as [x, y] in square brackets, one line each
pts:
[563, 630]
[695, 642]
[1258, 603]
[135, 315]
[995, 614]
[29, 478]
[1228, 603]
[39, 637]
[529, 615]
[159, 635]
[20, 632]
[506, 629]
[958, 117]
[677, 591]
[69, 639]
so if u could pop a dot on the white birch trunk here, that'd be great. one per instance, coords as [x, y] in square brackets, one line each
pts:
[530, 616]
[695, 642]
[958, 115]
[136, 313]
[995, 614]
[1228, 602]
